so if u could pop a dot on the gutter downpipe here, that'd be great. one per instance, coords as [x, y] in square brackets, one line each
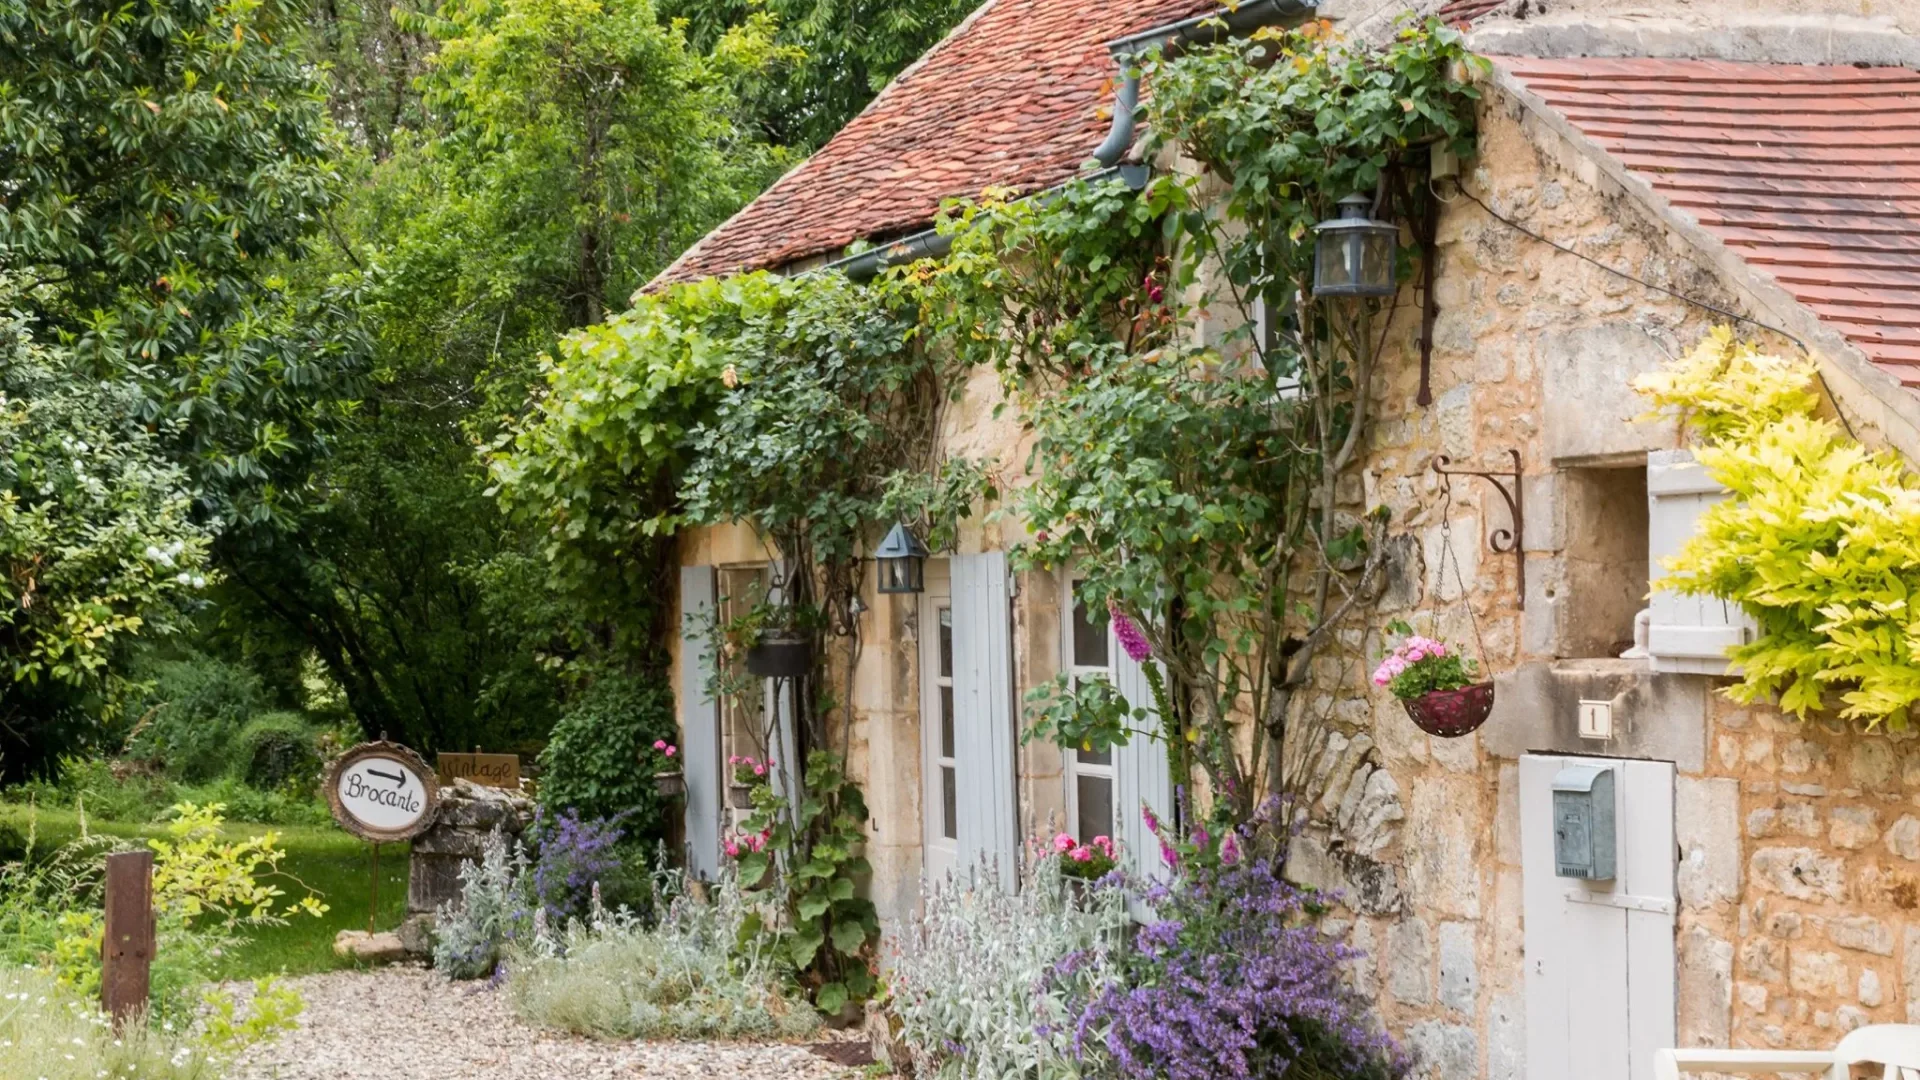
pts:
[1199, 29]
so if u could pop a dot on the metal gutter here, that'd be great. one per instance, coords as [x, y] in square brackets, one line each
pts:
[932, 244]
[1197, 30]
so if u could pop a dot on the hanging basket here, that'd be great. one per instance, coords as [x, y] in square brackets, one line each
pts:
[1449, 714]
[780, 657]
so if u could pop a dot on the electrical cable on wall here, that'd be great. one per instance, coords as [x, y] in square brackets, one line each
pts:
[1682, 297]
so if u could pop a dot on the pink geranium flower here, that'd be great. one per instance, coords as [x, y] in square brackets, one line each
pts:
[1063, 843]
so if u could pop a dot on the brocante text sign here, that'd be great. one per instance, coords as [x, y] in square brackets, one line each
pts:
[383, 792]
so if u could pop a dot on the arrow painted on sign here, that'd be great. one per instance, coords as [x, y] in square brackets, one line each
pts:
[398, 781]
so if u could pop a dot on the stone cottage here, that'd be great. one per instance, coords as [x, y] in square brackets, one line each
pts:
[1638, 181]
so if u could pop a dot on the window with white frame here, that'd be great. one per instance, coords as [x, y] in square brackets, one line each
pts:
[943, 750]
[743, 715]
[1268, 326]
[1089, 654]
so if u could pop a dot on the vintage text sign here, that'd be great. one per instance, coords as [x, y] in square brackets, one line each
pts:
[383, 792]
[492, 770]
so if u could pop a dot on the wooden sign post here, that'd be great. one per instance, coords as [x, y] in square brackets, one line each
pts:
[492, 770]
[126, 949]
[382, 793]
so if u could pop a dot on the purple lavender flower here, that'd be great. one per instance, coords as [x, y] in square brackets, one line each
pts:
[1133, 640]
[1235, 982]
[574, 855]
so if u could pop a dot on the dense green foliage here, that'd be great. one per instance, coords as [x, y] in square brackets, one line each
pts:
[99, 548]
[596, 759]
[1198, 486]
[845, 51]
[162, 158]
[1817, 543]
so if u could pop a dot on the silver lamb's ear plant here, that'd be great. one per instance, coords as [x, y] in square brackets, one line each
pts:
[983, 989]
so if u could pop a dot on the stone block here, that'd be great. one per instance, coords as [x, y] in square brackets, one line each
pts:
[1868, 989]
[1409, 962]
[1459, 966]
[1802, 873]
[1706, 819]
[365, 948]
[1507, 1038]
[1536, 709]
[1903, 839]
[1818, 973]
[1762, 960]
[1872, 764]
[1444, 1051]
[1910, 971]
[416, 934]
[1706, 988]
[1861, 933]
[1443, 844]
[1853, 827]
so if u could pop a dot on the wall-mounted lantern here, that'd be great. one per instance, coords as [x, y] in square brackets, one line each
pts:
[1353, 254]
[902, 560]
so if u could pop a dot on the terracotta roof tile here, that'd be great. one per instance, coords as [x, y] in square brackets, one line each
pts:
[1464, 12]
[1017, 95]
[1810, 174]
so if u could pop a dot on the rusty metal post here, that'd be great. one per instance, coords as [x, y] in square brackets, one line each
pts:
[126, 949]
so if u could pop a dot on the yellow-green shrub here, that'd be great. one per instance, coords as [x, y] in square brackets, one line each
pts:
[1820, 541]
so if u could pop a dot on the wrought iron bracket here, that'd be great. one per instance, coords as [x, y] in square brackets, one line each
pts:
[1500, 541]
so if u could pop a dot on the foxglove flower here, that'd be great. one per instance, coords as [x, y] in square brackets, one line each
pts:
[1133, 641]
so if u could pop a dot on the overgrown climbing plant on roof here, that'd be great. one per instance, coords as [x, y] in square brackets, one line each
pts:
[1820, 541]
[1205, 486]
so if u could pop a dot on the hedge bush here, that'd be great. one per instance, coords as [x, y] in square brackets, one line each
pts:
[278, 750]
[592, 764]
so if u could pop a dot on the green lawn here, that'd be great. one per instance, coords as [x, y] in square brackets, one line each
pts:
[325, 861]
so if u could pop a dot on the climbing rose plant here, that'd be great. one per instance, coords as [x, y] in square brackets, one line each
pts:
[1819, 543]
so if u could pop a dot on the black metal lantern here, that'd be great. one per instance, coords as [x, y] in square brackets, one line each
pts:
[902, 560]
[1353, 254]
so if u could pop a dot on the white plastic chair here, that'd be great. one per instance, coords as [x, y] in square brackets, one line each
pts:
[1894, 1047]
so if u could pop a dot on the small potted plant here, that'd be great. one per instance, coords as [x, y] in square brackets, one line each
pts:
[748, 774]
[778, 645]
[1440, 688]
[1083, 864]
[668, 780]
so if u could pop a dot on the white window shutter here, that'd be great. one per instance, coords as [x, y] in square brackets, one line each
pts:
[1686, 634]
[1141, 773]
[984, 714]
[699, 726]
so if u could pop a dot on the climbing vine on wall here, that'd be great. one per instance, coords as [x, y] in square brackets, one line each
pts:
[1203, 485]
[1820, 541]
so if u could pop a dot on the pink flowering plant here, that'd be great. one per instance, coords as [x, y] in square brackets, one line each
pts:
[1421, 665]
[1089, 861]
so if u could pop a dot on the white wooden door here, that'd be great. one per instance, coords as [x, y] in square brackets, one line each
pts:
[700, 753]
[939, 763]
[1600, 976]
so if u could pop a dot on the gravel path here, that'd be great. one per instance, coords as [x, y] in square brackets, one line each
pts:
[406, 1024]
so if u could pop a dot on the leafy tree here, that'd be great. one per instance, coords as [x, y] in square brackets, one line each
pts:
[848, 51]
[98, 544]
[161, 159]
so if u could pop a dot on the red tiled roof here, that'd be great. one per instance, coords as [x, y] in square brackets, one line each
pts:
[1460, 12]
[1810, 174]
[1018, 95]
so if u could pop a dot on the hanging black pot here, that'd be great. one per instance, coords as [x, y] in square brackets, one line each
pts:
[780, 657]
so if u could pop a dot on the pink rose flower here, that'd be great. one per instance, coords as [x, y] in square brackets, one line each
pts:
[671, 750]
[659, 744]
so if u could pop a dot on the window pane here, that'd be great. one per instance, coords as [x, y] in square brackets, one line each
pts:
[1089, 633]
[1095, 795]
[946, 642]
[946, 721]
[1093, 757]
[950, 797]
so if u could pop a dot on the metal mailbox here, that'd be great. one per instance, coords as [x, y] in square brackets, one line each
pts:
[1583, 822]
